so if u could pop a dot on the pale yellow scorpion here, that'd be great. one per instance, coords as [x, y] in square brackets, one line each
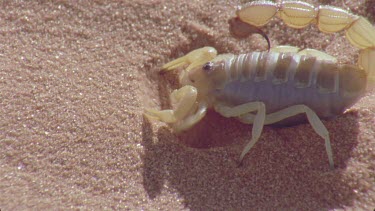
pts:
[262, 88]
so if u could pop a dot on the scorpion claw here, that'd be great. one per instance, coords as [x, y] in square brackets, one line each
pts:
[192, 59]
[164, 115]
[175, 64]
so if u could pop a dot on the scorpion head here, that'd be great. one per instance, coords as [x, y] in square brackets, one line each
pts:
[208, 76]
[204, 70]
[198, 77]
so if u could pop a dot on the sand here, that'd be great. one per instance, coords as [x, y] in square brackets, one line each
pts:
[75, 78]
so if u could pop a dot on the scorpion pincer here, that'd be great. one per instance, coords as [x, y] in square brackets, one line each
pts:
[262, 88]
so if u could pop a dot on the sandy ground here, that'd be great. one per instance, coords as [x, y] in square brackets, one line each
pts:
[75, 78]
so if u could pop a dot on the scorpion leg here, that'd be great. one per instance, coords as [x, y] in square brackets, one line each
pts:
[184, 100]
[314, 120]
[366, 60]
[258, 122]
[193, 59]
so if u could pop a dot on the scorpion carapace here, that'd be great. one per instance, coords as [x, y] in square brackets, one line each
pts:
[262, 88]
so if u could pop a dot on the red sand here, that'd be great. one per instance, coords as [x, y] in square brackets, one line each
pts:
[75, 79]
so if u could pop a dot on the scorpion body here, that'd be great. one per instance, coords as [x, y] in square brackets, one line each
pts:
[262, 88]
[281, 80]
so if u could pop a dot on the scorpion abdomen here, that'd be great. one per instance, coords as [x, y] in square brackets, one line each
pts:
[281, 80]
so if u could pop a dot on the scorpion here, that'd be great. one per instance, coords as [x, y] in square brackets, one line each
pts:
[263, 88]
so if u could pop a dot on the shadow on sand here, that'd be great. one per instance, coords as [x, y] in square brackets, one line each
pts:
[199, 178]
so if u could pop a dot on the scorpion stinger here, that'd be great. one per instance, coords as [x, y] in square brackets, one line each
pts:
[242, 30]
